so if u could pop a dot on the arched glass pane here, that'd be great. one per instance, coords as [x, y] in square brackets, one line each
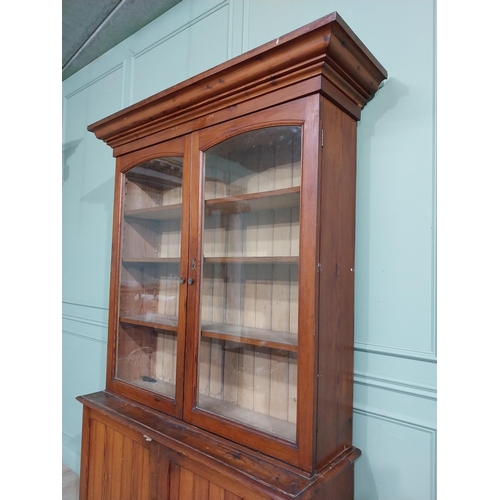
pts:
[249, 297]
[146, 350]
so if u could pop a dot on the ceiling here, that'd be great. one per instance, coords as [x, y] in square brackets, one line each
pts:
[92, 27]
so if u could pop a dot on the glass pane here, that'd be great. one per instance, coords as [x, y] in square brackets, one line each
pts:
[249, 300]
[149, 282]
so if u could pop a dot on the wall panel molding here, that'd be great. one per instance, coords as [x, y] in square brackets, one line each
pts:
[395, 351]
[236, 28]
[394, 385]
[86, 321]
[82, 304]
[84, 336]
[246, 26]
[117, 67]
[180, 29]
[195, 40]
[394, 418]
[411, 425]
[71, 451]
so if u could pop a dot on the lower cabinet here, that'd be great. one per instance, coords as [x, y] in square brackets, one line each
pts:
[124, 459]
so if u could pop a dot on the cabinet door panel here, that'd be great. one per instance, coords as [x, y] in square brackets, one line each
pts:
[119, 465]
[253, 321]
[150, 275]
[149, 302]
[248, 342]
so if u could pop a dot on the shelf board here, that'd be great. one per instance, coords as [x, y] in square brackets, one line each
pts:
[268, 200]
[254, 336]
[252, 260]
[160, 386]
[151, 260]
[233, 411]
[153, 320]
[166, 212]
[161, 173]
[288, 259]
[234, 333]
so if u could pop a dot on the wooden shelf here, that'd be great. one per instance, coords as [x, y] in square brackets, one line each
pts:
[151, 260]
[233, 411]
[252, 260]
[163, 173]
[159, 386]
[254, 336]
[153, 320]
[166, 212]
[273, 339]
[268, 200]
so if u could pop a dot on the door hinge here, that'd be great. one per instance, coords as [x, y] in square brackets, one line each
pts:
[322, 138]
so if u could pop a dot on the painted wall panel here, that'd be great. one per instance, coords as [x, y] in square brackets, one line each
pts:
[395, 218]
[88, 177]
[187, 52]
[398, 401]
[398, 460]
[83, 372]
[395, 353]
[396, 182]
[90, 322]
[396, 369]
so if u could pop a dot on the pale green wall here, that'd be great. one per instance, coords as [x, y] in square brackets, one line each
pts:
[395, 356]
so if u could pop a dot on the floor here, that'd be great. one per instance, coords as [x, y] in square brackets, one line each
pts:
[70, 482]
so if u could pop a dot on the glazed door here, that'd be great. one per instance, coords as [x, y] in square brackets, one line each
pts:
[248, 341]
[151, 262]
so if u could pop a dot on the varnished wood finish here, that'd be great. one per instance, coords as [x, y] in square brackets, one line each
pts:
[296, 57]
[175, 148]
[297, 454]
[138, 446]
[261, 407]
[336, 282]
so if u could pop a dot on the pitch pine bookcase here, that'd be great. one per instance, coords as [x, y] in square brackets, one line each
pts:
[230, 353]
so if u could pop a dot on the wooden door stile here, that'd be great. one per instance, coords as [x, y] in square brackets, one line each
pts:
[114, 277]
[307, 278]
[183, 273]
[193, 291]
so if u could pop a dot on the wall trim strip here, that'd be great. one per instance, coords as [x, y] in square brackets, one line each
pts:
[397, 352]
[181, 28]
[394, 418]
[85, 337]
[390, 384]
[95, 80]
[81, 304]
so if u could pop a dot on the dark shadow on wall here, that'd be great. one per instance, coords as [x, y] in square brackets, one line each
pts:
[68, 149]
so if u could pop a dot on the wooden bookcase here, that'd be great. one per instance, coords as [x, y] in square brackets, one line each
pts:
[230, 355]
